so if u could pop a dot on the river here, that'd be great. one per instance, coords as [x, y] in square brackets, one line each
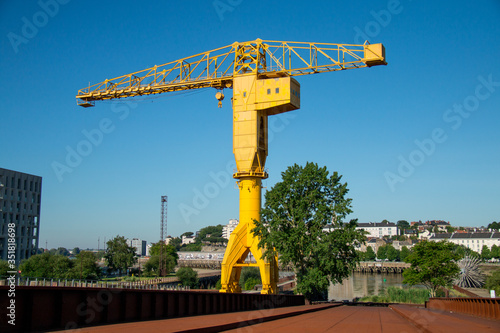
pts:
[362, 284]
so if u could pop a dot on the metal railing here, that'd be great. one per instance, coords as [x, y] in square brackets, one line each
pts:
[152, 284]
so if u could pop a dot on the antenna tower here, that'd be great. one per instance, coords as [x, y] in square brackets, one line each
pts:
[163, 232]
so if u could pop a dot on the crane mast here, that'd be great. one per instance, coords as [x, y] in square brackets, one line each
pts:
[260, 74]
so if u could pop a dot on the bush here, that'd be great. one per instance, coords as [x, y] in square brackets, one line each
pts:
[218, 285]
[400, 295]
[249, 272]
[188, 277]
[493, 282]
[250, 283]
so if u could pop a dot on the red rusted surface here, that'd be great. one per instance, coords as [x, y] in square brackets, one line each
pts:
[51, 308]
[477, 306]
[317, 318]
[432, 320]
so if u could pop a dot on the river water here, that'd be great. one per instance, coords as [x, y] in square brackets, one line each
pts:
[361, 285]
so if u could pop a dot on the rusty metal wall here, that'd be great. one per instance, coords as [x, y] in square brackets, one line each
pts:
[47, 308]
[478, 306]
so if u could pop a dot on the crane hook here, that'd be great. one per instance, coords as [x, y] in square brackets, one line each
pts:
[220, 97]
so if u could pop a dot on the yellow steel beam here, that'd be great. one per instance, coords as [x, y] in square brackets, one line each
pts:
[217, 68]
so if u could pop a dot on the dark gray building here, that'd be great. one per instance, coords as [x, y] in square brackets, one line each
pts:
[20, 197]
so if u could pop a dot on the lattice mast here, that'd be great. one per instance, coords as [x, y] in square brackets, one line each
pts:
[163, 232]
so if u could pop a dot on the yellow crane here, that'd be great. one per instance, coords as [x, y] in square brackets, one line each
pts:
[260, 73]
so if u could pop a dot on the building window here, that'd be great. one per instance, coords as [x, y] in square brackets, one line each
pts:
[269, 91]
[244, 94]
[277, 90]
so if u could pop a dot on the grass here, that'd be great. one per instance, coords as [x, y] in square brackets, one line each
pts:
[399, 295]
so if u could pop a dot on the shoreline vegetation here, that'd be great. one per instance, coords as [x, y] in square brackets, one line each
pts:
[405, 295]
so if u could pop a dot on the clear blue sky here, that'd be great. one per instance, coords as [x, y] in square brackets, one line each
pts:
[415, 140]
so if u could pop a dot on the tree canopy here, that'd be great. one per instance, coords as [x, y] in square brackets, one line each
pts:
[85, 266]
[47, 265]
[56, 266]
[169, 259]
[211, 234]
[119, 255]
[402, 225]
[296, 211]
[4, 268]
[494, 225]
[188, 277]
[433, 264]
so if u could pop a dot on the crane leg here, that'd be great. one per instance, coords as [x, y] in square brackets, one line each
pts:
[242, 241]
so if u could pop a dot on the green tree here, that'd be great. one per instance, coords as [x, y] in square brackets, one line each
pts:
[85, 266]
[402, 225]
[46, 265]
[191, 247]
[493, 282]
[433, 264]
[494, 225]
[151, 268]
[211, 234]
[188, 234]
[188, 277]
[485, 253]
[405, 252]
[382, 252]
[119, 255]
[296, 211]
[463, 251]
[166, 249]
[392, 253]
[4, 268]
[176, 242]
[450, 229]
[495, 252]
[248, 273]
[370, 254]
[76, 250]
[250, 283]
[37, 266]
[62, 251]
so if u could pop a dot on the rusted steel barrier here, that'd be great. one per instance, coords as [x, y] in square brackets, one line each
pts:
[53, 308]
[465, 292]
[476, 306]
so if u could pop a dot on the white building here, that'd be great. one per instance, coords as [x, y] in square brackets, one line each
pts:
[378, 230]
[474, 240]
[188, 240]
[139, 244]
[229, 228]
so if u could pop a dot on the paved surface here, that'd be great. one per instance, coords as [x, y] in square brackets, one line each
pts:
[316, 318]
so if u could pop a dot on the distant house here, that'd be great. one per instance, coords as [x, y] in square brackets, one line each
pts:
[373, 242]
[398, 245]
[425, 234]
[474, 241]
[410, 232]
[188, 240]
[379, 230]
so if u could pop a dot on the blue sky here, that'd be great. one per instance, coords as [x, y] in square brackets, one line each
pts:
[414, 140]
